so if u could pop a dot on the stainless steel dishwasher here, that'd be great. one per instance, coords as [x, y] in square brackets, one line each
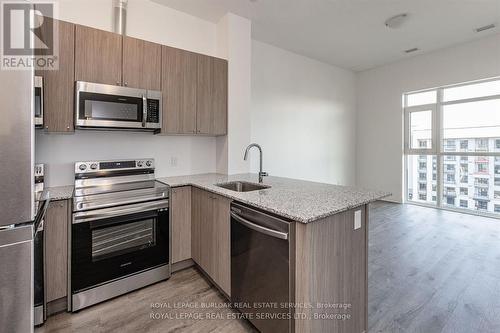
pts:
[262, 269]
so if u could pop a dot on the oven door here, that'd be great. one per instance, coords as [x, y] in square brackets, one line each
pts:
[101, 105]
[112, 243]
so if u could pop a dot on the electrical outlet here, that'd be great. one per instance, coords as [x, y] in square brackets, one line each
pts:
[173, 161]
[357, 219]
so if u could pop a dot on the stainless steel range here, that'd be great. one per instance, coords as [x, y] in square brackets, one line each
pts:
[120, 233]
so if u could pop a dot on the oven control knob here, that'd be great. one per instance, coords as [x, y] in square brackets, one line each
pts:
[82, 167]
[93, 166]
[140, 164]
[149, 163]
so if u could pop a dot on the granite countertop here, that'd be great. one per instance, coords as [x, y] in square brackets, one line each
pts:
[299, 200]
[58, 192]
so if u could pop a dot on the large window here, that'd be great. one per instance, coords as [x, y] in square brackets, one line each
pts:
[452, 147]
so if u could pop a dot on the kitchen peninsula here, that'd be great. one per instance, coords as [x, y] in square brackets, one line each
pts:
[328, 242]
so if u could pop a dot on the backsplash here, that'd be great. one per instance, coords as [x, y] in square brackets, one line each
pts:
[174, 155]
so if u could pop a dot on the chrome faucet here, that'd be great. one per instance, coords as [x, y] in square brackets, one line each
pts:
[261, 173]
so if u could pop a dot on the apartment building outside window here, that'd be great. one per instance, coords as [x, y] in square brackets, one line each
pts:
[452, 140]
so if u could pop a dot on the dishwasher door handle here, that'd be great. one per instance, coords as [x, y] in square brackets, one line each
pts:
[259, 228]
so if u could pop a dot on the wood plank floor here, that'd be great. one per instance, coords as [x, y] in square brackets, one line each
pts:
[430, 271]
[133, 312]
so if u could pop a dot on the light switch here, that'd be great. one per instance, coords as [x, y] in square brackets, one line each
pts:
[357, 219]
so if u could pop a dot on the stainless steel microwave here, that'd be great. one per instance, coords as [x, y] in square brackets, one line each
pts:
[103, 106]
[38, 101]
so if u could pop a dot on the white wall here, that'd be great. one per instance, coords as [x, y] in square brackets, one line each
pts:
[303, 116]
[379, 110]
[146, 20]
[235, 43]
[191, 154]
[149, 21]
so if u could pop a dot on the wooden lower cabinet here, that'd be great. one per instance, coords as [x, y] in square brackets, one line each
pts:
[180, 206]
[331, 268]
[56, 250]
[210, 241]
[221, 246]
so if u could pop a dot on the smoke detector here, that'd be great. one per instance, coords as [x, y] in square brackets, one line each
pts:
[396, 21]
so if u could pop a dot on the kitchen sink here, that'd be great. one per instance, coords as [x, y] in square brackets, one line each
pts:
[238, 186]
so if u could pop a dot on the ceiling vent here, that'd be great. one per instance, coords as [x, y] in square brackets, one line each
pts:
[486, 27]
[120, 16]
[411, 50]
[396, 21]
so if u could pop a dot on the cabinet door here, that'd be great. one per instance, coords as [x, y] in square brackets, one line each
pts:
[211, 102]
[181, 223]
[56, 250]
[221, 249]
[141, 64]
[204, 95]
[58, 85]
[201, 229]
[219, 97]
[179, 83]
[98, 56]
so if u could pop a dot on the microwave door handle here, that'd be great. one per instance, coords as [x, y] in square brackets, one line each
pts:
[144, 110]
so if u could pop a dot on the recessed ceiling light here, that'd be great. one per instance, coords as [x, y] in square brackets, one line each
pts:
[486, 27]
[396, 21]
[411, 50]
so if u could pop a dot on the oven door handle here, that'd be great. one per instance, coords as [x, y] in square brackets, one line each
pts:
[144, 110]
[259, 228]
[100, 214]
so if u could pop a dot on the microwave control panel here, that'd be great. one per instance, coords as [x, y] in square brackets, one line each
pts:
[153, 111]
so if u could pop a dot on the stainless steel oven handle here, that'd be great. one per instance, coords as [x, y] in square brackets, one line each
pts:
[80, 205]
[100, 214]
[144, 110]
[259, 228]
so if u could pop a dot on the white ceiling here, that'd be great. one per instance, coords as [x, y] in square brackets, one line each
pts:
[351, 33]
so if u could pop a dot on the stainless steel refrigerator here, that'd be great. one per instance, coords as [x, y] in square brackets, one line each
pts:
[16, 200]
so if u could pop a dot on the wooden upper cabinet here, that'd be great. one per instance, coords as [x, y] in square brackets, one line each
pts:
[141, 64]
[219, 97]
[98, 56]
[211, 100]
[179, 82]
[58, 85]
[204, 94]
